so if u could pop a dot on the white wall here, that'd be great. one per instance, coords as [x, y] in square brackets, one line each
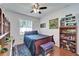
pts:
[73, 9]
[14, 23]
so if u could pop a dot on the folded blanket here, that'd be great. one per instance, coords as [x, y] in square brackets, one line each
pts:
[47, 46]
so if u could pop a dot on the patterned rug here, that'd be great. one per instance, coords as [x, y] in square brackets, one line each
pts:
[20, 50]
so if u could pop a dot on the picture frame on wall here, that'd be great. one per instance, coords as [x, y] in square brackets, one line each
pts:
[53, 24]
[43, 25]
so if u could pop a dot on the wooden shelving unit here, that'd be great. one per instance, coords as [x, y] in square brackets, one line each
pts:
[4, 29]
[0, 21]
[68, 33]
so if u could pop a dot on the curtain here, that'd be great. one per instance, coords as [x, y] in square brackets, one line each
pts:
[25, 25]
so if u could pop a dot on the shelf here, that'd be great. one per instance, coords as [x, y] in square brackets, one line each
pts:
[69, 33]
[3, 35]
[68, 27]
[68, 40]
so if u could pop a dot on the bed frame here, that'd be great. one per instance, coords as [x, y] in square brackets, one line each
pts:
[40, 42]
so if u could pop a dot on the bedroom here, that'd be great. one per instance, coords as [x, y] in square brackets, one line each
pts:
[19, 16]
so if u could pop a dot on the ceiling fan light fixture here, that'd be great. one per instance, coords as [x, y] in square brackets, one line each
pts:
[35, 7]
[35, 10]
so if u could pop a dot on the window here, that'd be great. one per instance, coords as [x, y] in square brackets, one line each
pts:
[25, 25]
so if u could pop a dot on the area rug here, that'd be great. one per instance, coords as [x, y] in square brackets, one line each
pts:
[20, 50]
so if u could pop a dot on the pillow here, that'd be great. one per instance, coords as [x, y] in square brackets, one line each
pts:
[31, 32]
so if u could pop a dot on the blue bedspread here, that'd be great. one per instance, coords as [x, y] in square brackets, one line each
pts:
[30, 39]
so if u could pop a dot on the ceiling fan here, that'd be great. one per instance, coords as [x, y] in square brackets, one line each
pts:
[36, 8]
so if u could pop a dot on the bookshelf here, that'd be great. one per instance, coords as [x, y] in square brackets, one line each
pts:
[4, 24]
[4, 29]
[68, 33]
[0, 21]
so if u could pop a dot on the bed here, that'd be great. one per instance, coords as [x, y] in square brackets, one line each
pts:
[33, 40]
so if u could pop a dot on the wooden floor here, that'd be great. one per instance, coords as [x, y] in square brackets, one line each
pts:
[57, 51]
[60, 52]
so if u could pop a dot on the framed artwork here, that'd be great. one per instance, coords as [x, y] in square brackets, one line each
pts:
[43, 25]
[53, 24]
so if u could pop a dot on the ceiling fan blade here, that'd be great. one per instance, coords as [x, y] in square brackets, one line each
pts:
[31, 11]
[39, 12]
[43, 8]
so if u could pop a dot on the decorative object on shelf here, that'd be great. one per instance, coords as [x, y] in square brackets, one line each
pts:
[69, 20]
[53, 24]
[43, 25]
[8, 39]
[3, 50]
[0, 48]
[68, 15]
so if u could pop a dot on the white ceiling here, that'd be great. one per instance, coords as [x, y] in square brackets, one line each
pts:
[25, 8]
